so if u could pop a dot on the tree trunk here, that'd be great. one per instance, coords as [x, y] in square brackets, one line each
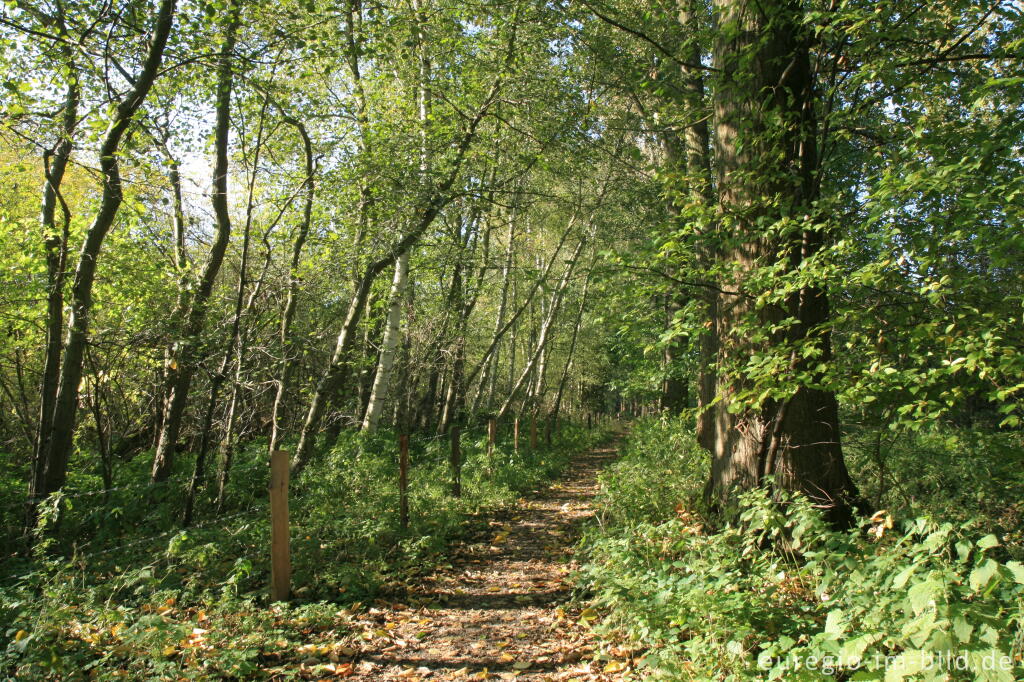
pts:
[545, 329]
[572, 348]
[65, 405]
[382, 379]
[288, 314]
[766, 162]
[184, 367]
[55, 241]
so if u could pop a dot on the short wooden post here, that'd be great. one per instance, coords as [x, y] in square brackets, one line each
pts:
[403, 481]
[492, 434]
[589, 424]
[280, 540]
[515, 436]
[533, 432]
[456, 462]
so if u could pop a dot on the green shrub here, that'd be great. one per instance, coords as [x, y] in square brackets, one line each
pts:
[777, 594]
[129, 604]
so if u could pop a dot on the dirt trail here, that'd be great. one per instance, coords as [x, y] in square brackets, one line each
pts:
[499, 611]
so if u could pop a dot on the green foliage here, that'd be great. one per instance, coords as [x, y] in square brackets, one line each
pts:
[661, 468]
[132, 606]
[780, 595]
[957, 475]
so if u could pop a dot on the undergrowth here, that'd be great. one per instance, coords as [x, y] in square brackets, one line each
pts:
[137, 598]
[934, 591]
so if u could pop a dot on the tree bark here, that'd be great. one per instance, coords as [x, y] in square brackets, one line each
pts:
[185, 351]
[766, 162]
[65, 410]
[291, 302]
[382, 378]
[55, 242]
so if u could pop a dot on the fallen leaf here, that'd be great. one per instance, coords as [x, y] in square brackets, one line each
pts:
[616, 667]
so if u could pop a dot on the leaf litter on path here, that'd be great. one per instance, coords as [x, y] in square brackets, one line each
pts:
[500, 609]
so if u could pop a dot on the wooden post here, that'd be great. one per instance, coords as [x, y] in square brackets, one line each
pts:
[548, 424]
[515, 436]
[403, 481]
[492, 434]
[533, 432]
[280, 540]
[456, 462]
[589, 425]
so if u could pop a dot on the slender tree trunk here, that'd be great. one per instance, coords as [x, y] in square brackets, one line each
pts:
[545, 329]
[186, 351]
[65, 405]
[490, 366]
[55, 242]
[382, 379]
[287, 352]
[572, 349]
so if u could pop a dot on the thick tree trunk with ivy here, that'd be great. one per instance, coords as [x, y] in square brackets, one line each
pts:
[767, 161]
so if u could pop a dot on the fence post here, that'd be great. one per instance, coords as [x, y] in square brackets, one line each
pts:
[589, 426]
[456, 462]
[403, 481]
[492, 434]
[280, 540]
[515, 436]
[533, 432]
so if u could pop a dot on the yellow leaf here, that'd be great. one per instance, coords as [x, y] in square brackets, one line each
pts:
[20, 635]
[170, 651]
[521, 665]
[616, 667]
[588, 615]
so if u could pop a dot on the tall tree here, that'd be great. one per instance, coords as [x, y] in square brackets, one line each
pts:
[184, 358]
[65, 399]
[767, 162]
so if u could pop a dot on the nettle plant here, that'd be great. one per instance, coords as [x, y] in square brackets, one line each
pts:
[778, 594]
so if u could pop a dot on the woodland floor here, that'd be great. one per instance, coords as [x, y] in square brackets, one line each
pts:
[500, 609]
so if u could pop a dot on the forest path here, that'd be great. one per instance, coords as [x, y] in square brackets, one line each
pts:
[499, 609]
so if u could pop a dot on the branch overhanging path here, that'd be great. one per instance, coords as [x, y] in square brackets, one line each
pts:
[500, 609]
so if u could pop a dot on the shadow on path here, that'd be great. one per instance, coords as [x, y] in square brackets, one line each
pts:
[500, 610]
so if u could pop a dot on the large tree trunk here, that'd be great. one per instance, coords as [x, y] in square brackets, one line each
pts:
[184, 367]
[65, 404]
[766, 161]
